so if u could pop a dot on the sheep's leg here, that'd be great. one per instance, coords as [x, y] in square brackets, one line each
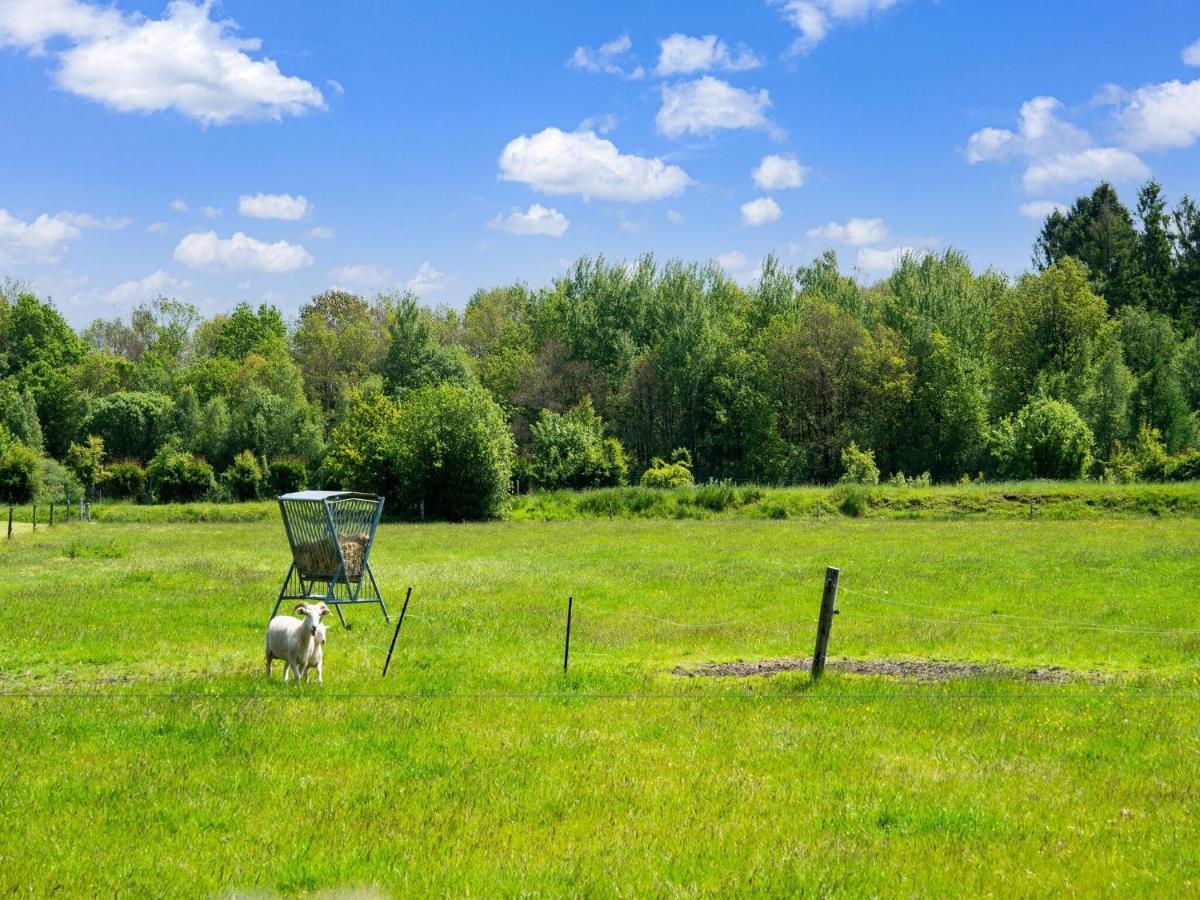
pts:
[269, 658]
[320, 672]
[295, 670]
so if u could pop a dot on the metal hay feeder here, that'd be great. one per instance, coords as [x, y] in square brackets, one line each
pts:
[331, 534]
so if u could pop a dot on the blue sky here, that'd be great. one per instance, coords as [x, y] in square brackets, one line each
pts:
[267, 150]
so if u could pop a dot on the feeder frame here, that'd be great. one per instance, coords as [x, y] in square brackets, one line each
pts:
[316, 523]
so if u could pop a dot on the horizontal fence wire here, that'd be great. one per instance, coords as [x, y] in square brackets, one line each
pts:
[1015, 620]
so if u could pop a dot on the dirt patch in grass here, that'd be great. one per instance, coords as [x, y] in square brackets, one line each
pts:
[915, 670]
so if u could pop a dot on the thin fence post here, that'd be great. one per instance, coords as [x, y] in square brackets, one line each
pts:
[51, 513]
[395, 634]
[825, 620]
[34, 506]
[10, 521]
[567, 643]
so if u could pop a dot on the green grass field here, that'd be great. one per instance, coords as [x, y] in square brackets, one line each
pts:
[147, 755]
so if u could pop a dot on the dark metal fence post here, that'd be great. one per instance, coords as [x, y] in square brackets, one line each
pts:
[825, 621]
[395, 634]
[567, 644]
[10, 521]
[51, 513]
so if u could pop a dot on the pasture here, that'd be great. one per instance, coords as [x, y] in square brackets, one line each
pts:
[146, 754]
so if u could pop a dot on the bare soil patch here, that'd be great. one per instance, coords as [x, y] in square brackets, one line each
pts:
[915, 670]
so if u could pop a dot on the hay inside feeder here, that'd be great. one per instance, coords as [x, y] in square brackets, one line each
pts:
[317, 559]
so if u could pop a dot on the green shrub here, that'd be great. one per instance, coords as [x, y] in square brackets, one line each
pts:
[445, 449]
[20, 474]
[56, 483]
[1046, 439]
[1184, 466]
[86, 461]
[858, 466]
[244, 478]
[676, 473]
[177, 476]
[570, 450]
[854, 501]
[287, 474]
[132, 424]
[124, 480]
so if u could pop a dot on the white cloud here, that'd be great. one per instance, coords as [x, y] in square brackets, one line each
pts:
[273, 206]
[184, 61]
[777, 173]
[762, 211]
[178, 206]
[86, 220]
[363, 275]
[856, 232]
[44, 240]
[335, 86]
[156, 227]
[681, 55]
[1057, 152]
[607, 58]
[559, 162]
[152, 285]
[1039, 209]
[1191, 54]
[428, 280]
[733, 261]
[674, 216]
[320, 233]
[708, 104]
[1039, 133]
[1161, 116]
[206, 250]
[815, 18]
[536, 220]
[873, 259]
[1096, 164]
[211, 212]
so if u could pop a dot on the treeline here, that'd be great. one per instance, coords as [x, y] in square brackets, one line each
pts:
[1088, 366]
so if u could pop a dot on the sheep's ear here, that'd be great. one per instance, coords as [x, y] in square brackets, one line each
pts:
[324, 610]
[301, 608]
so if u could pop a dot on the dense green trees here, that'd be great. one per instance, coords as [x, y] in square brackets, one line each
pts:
[1088, 365]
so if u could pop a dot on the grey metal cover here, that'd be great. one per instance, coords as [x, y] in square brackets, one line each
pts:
[325, 495]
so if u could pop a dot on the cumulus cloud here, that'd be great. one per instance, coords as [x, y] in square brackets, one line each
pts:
[1191, 54]
[560, 162]
[362, 275]
[680, 54]
[708, 104]
[856, 232]
[320, 233]
[273, 206]
[211, 212]
[428, 280]
[179, 206]
[674, 216]
[156, 227]
[777, 173]
[1096, 164]
[1056, 152]
[44, 240]
[153, 285]
[207, 250]
[1039, 209]
[1161, 116]
[733, 260]
[875, 259]
[608, 58]
[814, 19]
[762, 211]
[184, 61]
[536, 220]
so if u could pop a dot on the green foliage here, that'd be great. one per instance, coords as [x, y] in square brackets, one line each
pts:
[570, 450]
[86, 461]
[244, 478]
[673, 474]
[124, 480]
[1046, 439]
[20, 474]
[131, 424]
[56, 482]
[443, 450]
[287, 474]
[176, 476]
[858, 466]
[18, 413]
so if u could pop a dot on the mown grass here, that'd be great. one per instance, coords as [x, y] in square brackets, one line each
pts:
[146, 754]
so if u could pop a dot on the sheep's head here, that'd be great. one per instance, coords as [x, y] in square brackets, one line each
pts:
[312, 613]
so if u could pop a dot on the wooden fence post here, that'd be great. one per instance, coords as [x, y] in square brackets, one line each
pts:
[825, 620]
[51, 513]
[34, 505]
[10, 521]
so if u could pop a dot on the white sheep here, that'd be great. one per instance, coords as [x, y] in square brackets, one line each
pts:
[298, 642]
